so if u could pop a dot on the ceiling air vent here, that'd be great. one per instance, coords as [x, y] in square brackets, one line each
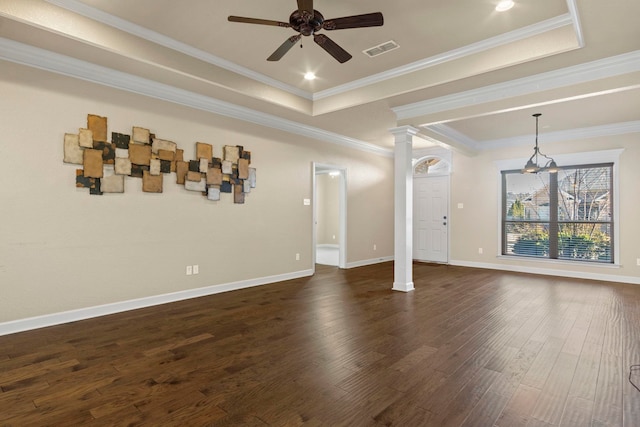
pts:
[381, 48]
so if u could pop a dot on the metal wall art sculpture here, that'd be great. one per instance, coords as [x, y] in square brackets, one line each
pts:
[105, 165]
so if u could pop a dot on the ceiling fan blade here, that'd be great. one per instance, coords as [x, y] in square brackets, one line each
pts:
[305, 5]
[284, 48]
[357, 21]
[258, 21]
[332, 48]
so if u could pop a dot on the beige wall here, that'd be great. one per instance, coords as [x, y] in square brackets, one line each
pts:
[328, 209]
[475, 183]
[62, 249]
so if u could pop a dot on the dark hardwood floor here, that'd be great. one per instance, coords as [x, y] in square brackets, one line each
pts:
[468, 347]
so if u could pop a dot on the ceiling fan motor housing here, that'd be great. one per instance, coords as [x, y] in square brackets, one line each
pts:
[305, 23]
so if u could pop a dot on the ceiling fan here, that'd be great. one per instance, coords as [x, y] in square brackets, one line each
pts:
[307, 21]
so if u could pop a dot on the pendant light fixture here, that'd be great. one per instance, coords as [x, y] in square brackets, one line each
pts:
[534, 167]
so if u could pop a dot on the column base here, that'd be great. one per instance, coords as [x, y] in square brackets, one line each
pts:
[403, 287]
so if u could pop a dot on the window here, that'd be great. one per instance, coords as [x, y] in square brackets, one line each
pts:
[431, 165]
[566, 215]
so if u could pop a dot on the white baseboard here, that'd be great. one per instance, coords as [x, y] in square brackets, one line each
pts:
[372, 261]
[103, 310]
[328, 245]
[550, 272]
[118, 307]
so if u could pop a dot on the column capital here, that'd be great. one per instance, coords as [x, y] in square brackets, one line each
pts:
[404, 130]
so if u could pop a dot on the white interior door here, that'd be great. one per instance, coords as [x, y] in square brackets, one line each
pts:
[431, 219]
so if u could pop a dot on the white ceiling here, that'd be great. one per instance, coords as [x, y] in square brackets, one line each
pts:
[464, 74]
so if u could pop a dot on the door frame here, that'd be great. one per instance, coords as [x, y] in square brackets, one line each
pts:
[323, 168]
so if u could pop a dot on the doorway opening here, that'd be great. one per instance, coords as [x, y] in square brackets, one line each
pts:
[329, 215]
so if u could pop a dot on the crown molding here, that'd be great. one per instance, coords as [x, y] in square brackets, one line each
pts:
[564, 135]
[474, 48]
[570, 18]
[549, 137]
[46, 60]
[583, 158]
[454, 135]
[590, 71]
[162, 40]
[575, 17]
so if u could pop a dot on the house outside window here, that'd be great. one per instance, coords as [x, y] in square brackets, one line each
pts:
[566, 215]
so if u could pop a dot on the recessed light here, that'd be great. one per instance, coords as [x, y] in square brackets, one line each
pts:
[309, 76]
[504, 5]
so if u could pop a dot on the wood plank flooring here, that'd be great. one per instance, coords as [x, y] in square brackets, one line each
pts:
[468, 347]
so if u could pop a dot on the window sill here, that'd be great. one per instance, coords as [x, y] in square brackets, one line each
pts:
[559, 261]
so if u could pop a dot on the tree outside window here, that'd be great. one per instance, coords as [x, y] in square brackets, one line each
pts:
[565, 215]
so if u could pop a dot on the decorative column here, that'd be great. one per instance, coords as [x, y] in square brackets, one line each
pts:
[403, 236]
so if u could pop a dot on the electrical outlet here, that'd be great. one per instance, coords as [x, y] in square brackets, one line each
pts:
[638, 261]
[297, 257]
[480, 251]
[196, 269]
[375, 247]
[189, 270]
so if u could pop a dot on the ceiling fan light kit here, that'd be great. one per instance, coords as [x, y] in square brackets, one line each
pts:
[307, 22]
